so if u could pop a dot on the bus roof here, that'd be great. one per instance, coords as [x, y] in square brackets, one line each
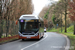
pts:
[28, 17]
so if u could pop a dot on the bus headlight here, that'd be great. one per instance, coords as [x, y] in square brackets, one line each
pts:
[37, 34]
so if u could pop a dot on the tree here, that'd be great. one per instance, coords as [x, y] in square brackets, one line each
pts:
[55, 20]
[66, 5]
[0, 7]
[43, 14]
[0, 18]
[11, 10]
[72, 12]
[61, 8]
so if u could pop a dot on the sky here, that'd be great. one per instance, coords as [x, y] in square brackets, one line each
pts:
[39, 4]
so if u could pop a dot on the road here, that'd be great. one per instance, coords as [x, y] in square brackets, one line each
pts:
[50, 41]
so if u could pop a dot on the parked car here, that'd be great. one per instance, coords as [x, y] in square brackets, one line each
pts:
[45, 29]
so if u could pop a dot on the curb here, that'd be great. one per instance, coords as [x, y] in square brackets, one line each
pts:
[9, 41]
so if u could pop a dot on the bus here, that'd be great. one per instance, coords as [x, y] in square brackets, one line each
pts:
[30, 27]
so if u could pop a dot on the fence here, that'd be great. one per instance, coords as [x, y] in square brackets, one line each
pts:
[8, 28]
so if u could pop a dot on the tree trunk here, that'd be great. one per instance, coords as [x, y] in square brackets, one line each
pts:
[0, 18]
[1, 28]
[6, 28]
[61, 22]
[74, 27]
[65, 23]
[66, 4]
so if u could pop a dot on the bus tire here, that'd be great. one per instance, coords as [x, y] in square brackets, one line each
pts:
[42, 37]
[22, 39]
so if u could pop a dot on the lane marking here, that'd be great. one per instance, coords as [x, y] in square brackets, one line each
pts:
[34, 43]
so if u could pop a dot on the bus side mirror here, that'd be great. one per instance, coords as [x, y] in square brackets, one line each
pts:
[16, 22]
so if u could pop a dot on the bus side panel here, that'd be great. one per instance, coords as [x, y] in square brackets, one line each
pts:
[41, 29]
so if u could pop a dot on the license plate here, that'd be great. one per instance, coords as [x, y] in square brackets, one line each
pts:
[28, 37]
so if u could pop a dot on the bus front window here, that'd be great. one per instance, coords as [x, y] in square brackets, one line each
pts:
[28, 26]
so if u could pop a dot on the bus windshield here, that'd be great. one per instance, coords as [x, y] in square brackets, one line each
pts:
[28, 25]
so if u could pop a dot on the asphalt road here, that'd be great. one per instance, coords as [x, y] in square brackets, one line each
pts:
[50, 41]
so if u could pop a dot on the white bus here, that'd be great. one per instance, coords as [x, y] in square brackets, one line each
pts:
[30, 27]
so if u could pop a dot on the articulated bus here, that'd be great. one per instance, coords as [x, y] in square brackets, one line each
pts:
[30, 27]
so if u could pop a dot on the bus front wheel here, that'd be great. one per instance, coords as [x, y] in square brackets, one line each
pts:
[22, 39]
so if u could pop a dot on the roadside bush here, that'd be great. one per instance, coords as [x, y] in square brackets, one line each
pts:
[70, 29]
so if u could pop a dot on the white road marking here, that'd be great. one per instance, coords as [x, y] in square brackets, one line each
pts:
[34, 43]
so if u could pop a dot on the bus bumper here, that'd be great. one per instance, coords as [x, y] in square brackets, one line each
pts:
[35, 37]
